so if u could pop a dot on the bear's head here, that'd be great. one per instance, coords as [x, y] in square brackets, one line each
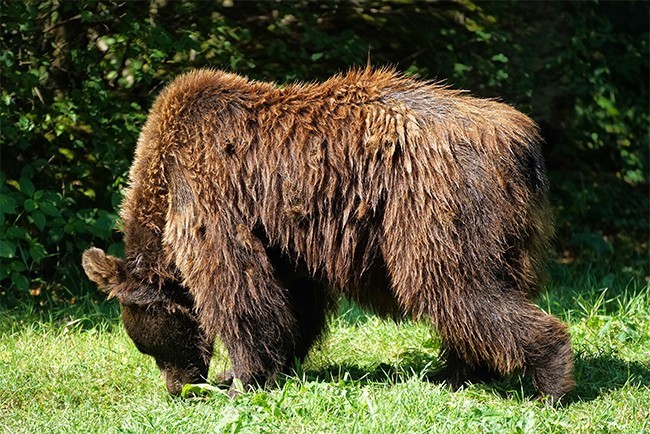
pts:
[160, 321]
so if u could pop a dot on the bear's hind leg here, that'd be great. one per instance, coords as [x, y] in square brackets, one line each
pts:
[550, 358]
[501, 332]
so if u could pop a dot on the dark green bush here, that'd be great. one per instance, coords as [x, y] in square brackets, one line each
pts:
[78, 78]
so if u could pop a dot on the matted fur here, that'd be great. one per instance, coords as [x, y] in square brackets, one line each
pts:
[407, 196]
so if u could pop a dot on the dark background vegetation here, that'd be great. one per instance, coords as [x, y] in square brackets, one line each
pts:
[78, 78]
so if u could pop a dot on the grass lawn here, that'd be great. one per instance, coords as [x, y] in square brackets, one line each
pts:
[73, 369]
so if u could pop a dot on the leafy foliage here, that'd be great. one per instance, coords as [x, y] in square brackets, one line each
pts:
[78, 77]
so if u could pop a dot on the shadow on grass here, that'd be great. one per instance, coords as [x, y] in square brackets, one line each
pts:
[595, 376]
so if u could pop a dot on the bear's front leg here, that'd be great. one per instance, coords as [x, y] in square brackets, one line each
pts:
[260, 339]
[237, 294]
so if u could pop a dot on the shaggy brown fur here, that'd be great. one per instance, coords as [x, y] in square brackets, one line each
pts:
[406, 196]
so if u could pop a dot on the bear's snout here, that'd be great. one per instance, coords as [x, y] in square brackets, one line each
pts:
[176, 378]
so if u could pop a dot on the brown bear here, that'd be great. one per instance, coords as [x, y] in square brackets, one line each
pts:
[251, 208]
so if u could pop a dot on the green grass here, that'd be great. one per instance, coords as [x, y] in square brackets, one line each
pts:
[73, 369]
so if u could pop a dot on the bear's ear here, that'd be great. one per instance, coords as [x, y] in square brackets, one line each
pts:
[110, 274]
[106, 271]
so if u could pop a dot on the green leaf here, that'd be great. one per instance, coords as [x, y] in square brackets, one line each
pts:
[86, 16]
[7, 204]
[460, 69]
[16, 232]
[17, 266]
[49, 209]
[27, 171]
[67, 153]
[197, 390]
[21, 282]
[116, 199]
[103, 226]
[37, 252]
[500, 58]
[77, 227]
[30, 205]
[25, 124]
[26, 186]
[4, 272]
[116, 249]
[7, 249]
[39, 219]
[55, 234]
